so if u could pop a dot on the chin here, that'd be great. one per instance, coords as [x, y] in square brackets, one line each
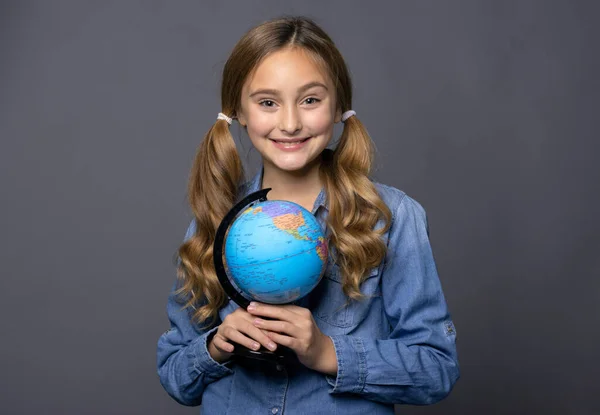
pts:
[294, 165]
[291, 167]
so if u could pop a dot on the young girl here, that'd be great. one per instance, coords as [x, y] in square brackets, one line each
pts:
[376, 331]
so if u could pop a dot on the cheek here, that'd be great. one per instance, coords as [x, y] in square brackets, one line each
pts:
[320, 121]
[260, 125]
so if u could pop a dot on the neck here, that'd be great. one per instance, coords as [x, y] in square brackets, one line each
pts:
[300, 187]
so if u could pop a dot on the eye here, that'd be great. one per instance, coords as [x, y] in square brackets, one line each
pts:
[315, 100]
[265, 101]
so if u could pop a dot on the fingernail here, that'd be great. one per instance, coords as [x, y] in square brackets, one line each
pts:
[258, 322]
[271, 346]
[255, 346]
[252, 306]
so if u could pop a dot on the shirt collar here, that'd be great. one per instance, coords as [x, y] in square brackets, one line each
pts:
[254, 185]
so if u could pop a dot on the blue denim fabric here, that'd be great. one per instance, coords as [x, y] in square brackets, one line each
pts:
[395, 346]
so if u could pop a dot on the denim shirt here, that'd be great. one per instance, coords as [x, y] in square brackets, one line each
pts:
[397, 345]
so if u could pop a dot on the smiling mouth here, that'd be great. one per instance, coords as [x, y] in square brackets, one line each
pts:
[290, 142]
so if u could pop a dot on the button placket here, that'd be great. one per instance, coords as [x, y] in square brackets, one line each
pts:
[277, 394]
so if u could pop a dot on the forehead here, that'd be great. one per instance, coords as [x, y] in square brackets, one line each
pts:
[287, 68]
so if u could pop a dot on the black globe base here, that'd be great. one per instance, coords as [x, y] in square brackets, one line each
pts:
[281, 356]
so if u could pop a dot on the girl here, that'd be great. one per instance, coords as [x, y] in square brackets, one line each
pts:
[376, 331]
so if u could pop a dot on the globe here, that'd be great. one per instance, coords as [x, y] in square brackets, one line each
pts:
[275, 252]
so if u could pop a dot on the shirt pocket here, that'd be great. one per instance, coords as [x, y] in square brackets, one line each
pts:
[335, 313]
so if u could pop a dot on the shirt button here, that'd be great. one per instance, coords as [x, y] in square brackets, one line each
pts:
[279, 369]
[274, 410]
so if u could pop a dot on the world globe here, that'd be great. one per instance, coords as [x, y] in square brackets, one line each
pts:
[275, 252]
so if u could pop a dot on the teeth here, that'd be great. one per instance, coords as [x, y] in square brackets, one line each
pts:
[290, 143]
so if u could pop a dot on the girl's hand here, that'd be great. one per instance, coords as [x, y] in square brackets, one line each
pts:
[237, 327]
[294, 327]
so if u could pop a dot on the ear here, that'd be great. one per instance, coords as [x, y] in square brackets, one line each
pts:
[338, 115]
[241, 119]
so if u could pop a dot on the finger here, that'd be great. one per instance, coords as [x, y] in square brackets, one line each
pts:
[277, 326]
[284, 340]
[235, 336]
[301, 311]
[241, 321]
[277, 312]
[255, 335]
[221, 344]
[259, 335]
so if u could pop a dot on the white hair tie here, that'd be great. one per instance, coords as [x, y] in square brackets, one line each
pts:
[222, 116]
[347, 115]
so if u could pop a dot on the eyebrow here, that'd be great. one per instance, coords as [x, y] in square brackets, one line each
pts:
[277, 92]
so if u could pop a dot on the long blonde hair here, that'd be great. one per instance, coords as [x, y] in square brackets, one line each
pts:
[217, 172]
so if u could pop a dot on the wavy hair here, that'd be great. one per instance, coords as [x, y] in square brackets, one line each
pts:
[217, 172]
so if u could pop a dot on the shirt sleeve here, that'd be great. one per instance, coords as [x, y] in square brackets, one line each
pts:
[417, 364]
[185, 366]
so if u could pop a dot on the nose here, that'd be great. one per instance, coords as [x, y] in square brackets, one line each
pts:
[289, 121]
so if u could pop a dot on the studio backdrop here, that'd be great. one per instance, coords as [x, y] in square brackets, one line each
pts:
[483, 111]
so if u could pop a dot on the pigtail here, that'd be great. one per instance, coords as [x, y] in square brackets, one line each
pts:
[214, 180]
[354, 206]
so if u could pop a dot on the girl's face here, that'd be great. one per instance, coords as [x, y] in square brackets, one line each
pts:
[288, 107]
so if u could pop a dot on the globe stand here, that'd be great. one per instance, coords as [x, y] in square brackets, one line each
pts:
[282, 354]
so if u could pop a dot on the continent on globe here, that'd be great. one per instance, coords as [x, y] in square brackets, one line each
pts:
[288, 222]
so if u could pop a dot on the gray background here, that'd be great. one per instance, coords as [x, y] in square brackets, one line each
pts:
[484, 111]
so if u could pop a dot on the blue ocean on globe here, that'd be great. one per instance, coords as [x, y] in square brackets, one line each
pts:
[275, 252]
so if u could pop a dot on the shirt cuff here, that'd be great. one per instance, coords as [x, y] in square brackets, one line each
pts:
[203, 361]
[352, 365]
